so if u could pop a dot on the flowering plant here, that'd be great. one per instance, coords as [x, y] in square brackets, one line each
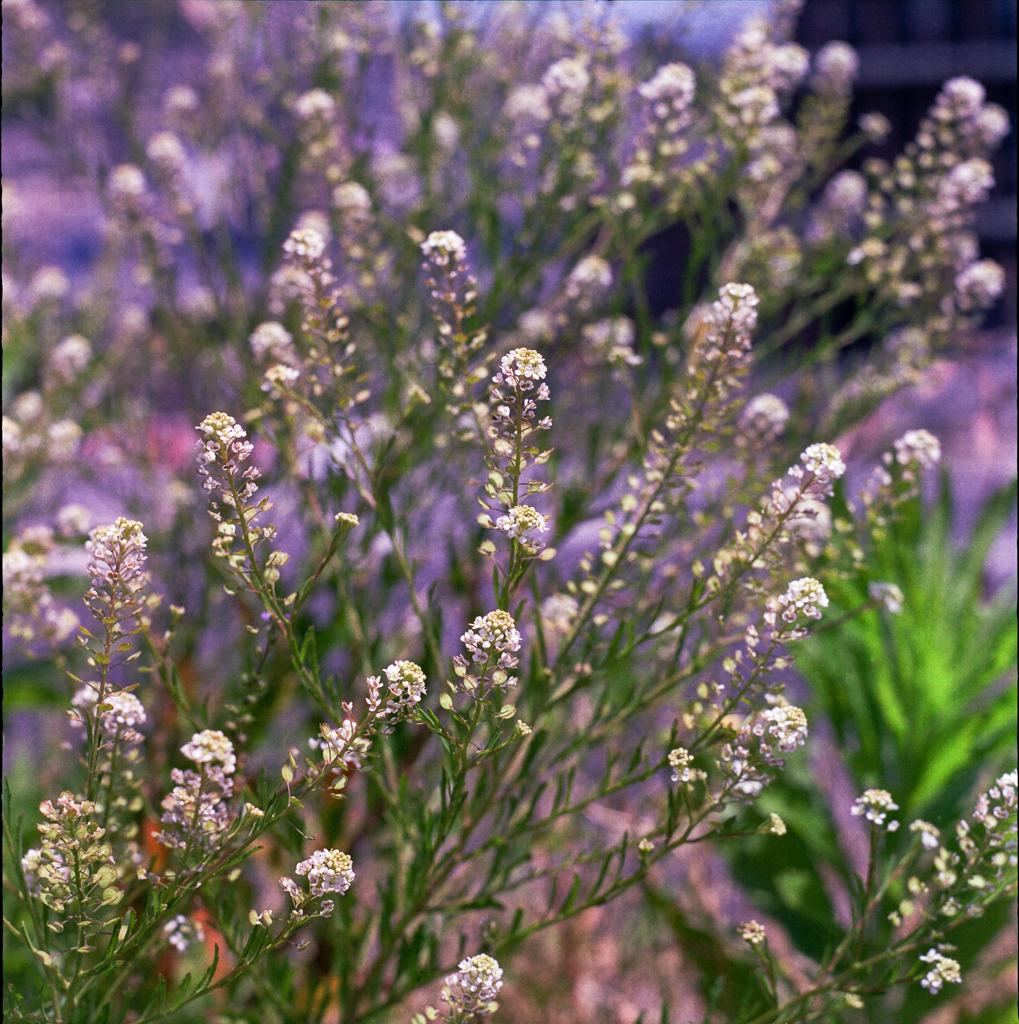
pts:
[403, 266]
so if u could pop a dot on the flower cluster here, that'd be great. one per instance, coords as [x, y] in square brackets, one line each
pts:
[72, 838]
[196, 814]
[116, 564]
[783, 517]
[875, 805]
[328, 871]
[471, 992]
[452, 289]
[406, 687]
[522, 523]
[30, 610]
[182, 932]
[491, 641]
[342, 749]
[118, 721]
[762, 421]
[680, 760]
[748, 760]
[944, 969]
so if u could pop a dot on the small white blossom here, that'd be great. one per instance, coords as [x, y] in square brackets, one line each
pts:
[944, 969]
[888, 594]
[305, 243]
[440, 247]
[875, 805]
[918, 446]
[804, 596]
[272, 338]
[521, 523]
[181, 932]
[70, 357]
[475, 985]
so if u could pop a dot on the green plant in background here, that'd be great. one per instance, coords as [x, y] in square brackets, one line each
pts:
[925, 698]
[406, 262]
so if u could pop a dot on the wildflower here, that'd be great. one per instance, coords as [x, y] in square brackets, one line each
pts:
[440, 247]
[180, 99]
[476, 985]
[327, 871]
[944, 969]
[835, 68]
[314, 104]
[612, 339]
[340, 747]
[558, 611]
[753, 933]
[786, 724]
[998, 803]
[887, 594]
[919, 446]
[803, 597]
[406, 687]
[671, 88]
[776, 826]
[305, 244]
[875, 805]
[211, 746]
[875, 126]
[69, 358]
[520, 369]
[48, 284]
[929, 834]
[588, 280]
[181, 932]
[119, 722]
[825, 463]
[763, 419]
[352, 200]
[490, 635]
[73, 520]
[978, 285]
[680, 760]
[527, 102]
[272, 338]
[126, 185]
[63, 439]
[164, 149]
[520, 523]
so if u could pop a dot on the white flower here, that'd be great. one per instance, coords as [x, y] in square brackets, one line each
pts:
[520, 368]
[70, 357]
[478, 980]
[824, 461]
[944, 969]
[327, 871]
[918, 446]
[181, 932]
[520, 523]
[210, 746]
[673, 85]
[803, 597]
[493, 634]
[835, 68]
[442, 246]
[164, 149]
[126, 184]
[305, 243]
[316, 103]
[979, 285]
[271, 337]
[527, 101]
[874, 805]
